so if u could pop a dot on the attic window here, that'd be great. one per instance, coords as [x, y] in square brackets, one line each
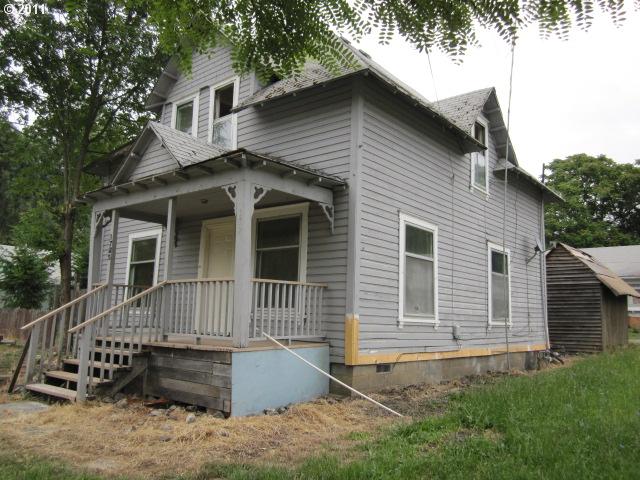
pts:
[184, 117]
[479, 174]
[222, 120]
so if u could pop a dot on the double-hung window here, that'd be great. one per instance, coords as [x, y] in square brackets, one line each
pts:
[418, 283]
[278, 248]
[479, 163]
[222, 121]
[499, 286]
[144, 250]
[185, 116]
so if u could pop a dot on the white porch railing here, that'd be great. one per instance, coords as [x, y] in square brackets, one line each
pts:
[202, 307]
[104, 327]
[287, 310]
[48, 342]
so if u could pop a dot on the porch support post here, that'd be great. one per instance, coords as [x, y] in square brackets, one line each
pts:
[243, 202]
[171, 235]
[115, 219]
[95, 247]
[168, 261]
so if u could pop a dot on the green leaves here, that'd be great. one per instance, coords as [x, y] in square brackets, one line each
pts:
[278, 36]
[601, 202]
[24, 279]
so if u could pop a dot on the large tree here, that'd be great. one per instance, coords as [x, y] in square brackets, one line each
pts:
[82, 70]
[279, 35]
[602, 202]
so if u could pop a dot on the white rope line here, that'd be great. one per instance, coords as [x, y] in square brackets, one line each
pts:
[269, 337]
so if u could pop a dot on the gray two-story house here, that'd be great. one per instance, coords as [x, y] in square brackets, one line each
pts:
[340, 213]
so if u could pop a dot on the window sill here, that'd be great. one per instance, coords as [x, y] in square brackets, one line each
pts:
[499, 324]
[418, 321]
[478, 190]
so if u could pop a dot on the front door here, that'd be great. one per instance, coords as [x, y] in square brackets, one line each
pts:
[217, 256]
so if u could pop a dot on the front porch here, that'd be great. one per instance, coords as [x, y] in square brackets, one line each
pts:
[244, 273]
[220, 261]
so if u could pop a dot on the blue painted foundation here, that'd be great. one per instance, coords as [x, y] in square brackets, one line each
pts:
[263, 379]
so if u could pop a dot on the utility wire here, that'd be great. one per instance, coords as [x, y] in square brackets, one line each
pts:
[504, 211]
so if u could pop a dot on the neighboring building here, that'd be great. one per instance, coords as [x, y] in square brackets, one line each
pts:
[587, 302]
[341, 209]
[624, 262]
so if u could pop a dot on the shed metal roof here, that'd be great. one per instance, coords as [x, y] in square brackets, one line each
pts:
[623, 260]
[612, 281]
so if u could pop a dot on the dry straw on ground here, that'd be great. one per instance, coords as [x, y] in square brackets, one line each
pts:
[106, 439]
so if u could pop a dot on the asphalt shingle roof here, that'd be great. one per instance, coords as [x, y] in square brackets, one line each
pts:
[463, 110]
[185, 148]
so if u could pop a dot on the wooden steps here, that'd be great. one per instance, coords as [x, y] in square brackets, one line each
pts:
[115, 351]
[72, 377]
[52, 391]
[106, 366]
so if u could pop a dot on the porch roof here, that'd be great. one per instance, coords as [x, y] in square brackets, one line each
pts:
[223, 163]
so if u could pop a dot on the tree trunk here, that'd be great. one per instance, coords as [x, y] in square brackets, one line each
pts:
[65, 258]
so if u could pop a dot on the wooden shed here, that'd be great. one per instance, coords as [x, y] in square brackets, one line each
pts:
[587, 302]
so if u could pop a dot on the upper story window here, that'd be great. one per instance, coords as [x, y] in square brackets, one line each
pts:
[418, 292]
[479, 163]
[222, 122]
[499, 285]
[185, 115]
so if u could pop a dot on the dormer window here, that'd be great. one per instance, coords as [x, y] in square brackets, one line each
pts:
[479, 173]
[222, 129]
[185, 115]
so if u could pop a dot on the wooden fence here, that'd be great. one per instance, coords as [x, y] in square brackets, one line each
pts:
[12, 319]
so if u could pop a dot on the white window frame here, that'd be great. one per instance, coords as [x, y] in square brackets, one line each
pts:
[498, 248]
[472, 186]
[405, 220]
[155, 233]
[284, 211]
[234, 116]
[195, 98]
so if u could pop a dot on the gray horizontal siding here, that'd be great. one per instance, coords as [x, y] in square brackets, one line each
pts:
[155, 160]
[126, 227]
[313, 129]
[409, 166]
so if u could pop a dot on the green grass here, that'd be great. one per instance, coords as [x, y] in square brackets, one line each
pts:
[29, 468]
[634, 334]
[9, 356]
[578, 422]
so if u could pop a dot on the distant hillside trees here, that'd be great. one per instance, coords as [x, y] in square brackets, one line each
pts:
[602, 205]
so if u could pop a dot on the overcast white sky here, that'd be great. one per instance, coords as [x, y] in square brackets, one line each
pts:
[580, 95]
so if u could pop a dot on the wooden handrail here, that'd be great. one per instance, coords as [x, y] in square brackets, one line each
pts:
[62, 308]
[116, 307]
[289, 282]
[196, 280]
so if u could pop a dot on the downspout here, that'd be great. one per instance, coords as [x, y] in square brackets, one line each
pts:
[543, 275]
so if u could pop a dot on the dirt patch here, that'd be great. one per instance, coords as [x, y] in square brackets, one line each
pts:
[103, 438]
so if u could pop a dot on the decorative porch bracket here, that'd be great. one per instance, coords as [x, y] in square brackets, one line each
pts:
[259, 192]
[328, 211]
